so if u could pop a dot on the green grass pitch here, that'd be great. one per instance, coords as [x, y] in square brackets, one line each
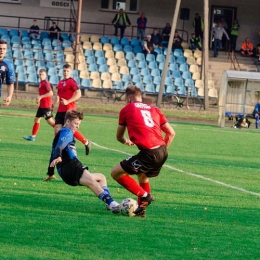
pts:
[207, 197]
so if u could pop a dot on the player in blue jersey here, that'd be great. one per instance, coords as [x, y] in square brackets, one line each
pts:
[6, 73]
[70, 169]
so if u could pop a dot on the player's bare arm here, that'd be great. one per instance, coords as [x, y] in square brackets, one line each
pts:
[120, 136]
[49, 94]
[169, 133]
[55, 161]
[10, 91]
[75, 97]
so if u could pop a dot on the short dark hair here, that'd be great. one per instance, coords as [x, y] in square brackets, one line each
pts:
[67, 66]
[42, 70]
[133, 91]
[3, 42]
[73, 114]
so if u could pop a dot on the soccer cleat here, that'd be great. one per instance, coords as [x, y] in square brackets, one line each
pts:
[88, 147]
[29, 138]
[115, 209]
[144, 203]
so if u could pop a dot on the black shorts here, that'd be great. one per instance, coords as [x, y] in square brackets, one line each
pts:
[146, 161]
[44, 112]
[71, 172]
[59, 118]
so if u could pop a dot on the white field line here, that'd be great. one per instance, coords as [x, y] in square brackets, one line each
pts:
[189, 173]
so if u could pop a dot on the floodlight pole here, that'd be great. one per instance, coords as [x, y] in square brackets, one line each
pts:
[174, 22]
[205, 55]
[78, 28]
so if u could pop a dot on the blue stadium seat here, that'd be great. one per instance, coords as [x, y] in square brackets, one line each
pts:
[65, 36]
[160, 58]
[99, 53]
[33, 79]
[117, 47]
[88, 53]
[181, 60]
[134, 71]
[178, 82]
[114, 40]
[158, 50]
[168, 82]
[150, 57]
[183, 67]
[104, 39]
[44, 35]
[137, 49]
[3, 31]
[142, 64]
[24, 33]
[149, 87]
[144, 72]
[17, 54]
[139, 56]
[152, 65]
[85, 83]
[129, 56]
[178, 52]
[124, 41]
[127, 48]
[50, 64]
[103, 68]
[147, 79]
[13, 32]
[21, 78]
[136, 79]
[92, 67]
[31, 70]
[91, 60]
[54, 80]
[155, 72]
[29, 63]
[134, 42]
[176, 74]
[189, 83]
[140, 85]
[186, 75]
[52, 71]
[131, 64]
[157, 80]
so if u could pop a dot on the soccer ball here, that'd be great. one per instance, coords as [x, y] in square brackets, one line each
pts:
[128, 206]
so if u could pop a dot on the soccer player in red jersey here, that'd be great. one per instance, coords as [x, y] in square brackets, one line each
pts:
[145, 125]
[45, 105]
[68, 92]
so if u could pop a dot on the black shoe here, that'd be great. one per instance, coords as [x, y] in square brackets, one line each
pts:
[144, 203]
[88, 147]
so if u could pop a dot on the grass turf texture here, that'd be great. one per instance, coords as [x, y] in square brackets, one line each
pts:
[207, 197]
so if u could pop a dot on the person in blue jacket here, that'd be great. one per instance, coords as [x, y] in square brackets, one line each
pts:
[6, 73]
[70, 169]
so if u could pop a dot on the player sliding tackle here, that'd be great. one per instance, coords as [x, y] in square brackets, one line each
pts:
[70, 169]
[145, 125]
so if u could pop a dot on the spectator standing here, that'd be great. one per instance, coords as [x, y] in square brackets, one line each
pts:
[141, 26]
[34, 32]
[195, 43]
[7, 73]
[234, 34]
[156, 38]
[198, 25]
[44, 99]
[247, 48]
[120, 21]
[54, 31]
[217, 33]
[70, 169]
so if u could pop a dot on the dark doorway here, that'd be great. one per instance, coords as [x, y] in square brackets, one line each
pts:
[223, 14]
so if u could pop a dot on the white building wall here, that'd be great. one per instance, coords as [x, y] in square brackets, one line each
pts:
[158, 12]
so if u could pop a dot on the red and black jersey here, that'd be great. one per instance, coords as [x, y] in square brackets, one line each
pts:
[143, 124]
[66, 89]
[44, 88]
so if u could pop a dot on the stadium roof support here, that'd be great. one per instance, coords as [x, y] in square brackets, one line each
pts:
[174, 22]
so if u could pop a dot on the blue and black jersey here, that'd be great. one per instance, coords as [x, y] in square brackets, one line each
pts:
[6, 73]
[63, 145]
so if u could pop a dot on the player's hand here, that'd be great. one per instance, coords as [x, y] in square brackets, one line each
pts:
[38, 99]
[129, 142]
[49, 178]
[64, 102]
[55, 161]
